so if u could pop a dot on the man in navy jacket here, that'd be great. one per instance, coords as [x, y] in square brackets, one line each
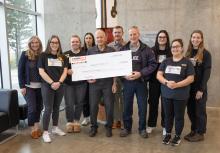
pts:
[143, 64]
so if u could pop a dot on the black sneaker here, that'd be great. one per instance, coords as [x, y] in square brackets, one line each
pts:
[92, 132]
[176, 141]
[188, 136]
[166, 139]
[143, 134]
[124, 133]
[108, 132]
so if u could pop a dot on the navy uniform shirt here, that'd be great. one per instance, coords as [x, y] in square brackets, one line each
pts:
[176, 71]
[52, 65]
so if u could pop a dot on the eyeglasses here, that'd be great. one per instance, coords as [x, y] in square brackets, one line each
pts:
[54, 42]
[175, 47]
[162, 37]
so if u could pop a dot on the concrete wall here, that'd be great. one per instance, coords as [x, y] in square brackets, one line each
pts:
[178, 17]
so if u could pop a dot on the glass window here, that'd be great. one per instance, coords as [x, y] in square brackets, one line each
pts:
[20, 27]
[25, 4]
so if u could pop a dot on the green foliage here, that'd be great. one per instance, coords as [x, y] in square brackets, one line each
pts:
[19, 27]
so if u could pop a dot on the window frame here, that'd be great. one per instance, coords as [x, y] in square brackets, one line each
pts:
[6, 79]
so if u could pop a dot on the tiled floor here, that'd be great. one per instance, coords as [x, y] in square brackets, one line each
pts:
[81, 143]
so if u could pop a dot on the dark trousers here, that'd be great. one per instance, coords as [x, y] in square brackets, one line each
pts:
[74, 99]
[52, 100]
[196, 110]
[174, 109]
[34, 102]
[153, 101]
[86, 112]
[130, 89]
[96, 91]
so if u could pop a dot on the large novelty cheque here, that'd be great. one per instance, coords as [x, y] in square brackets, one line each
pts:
[101, 65]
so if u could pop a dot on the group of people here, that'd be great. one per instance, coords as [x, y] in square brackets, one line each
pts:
[161, 71]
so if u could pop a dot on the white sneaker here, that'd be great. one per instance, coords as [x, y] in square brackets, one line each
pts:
[86, 121]
[46, 137]
[101, 122]
[164, 132]
[56, 130]
[149, 129]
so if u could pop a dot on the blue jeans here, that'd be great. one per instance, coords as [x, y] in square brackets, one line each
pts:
[139, 88]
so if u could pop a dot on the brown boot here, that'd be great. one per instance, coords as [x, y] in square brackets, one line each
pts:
[197, 137]
[69, 127]
[34, 134]
[39, 132]
[119, 124]
[114, 125]
[77, 127]
[188, 136]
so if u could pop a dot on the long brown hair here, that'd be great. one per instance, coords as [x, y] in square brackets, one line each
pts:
[201, 49]
[32, 55]
[48, 49]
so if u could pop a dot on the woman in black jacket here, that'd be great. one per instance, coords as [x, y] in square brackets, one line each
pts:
[196, 108]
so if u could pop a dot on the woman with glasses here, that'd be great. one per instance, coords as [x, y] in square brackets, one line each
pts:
[196, 106]
[175, 75]
[30, 83]
[162, 51]
[53, 70]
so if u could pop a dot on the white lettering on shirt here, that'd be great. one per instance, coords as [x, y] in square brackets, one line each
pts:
[54, 62]
[173, 69]
[135, 58]
[161, 58]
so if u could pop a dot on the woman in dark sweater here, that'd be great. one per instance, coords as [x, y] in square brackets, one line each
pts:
[75, 91]
[162, 51]
[89, 42]
[30, 84]
[196, 108]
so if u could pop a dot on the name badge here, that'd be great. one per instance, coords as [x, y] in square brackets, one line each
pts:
[161, 58]
[54, 62]
[173, 69]
[193, 60]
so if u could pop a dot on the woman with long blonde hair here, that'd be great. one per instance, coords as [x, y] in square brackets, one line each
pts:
[30, 83]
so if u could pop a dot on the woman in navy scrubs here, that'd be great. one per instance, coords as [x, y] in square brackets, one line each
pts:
[175, 75]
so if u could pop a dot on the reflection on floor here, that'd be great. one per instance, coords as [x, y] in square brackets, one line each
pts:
[81, 143]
